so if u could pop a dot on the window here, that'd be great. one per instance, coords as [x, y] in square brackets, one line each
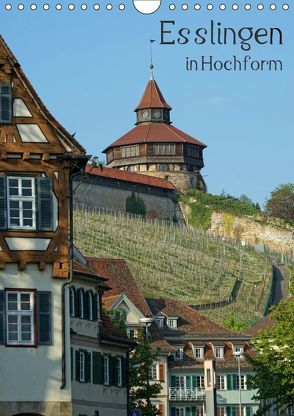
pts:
[118, 371]
[220, 411]
[180, 411]
[98, 306]
[153, 372]
[90, 304]
[21, 202]
[164, 149]
[20, 318]
[81, 303]
[83, 366]
[26, 203]
[172, 322]
[178, 355]
[221, 382]
[200, 382]
[198, 352]
[159, 322]
[233, 382]
[130, 151]
[106, 370]
[5, 103]
[238, 350]
[193, 151]
[218, 352]
[26, 315]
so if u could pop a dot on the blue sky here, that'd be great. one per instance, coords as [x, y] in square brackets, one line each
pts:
[91, 67]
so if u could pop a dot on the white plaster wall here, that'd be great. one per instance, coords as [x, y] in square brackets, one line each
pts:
[34, 374]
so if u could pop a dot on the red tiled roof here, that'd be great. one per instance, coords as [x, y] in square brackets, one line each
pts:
[190, 321]
[155, 133]
[109, 301]
[121, 280]
[86, 269]
[111, 332]
[129, 177]
[152, 97]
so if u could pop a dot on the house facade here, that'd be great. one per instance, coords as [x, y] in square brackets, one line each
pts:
[37, 160]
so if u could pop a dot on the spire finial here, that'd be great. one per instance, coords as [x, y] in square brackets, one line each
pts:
[151, 60]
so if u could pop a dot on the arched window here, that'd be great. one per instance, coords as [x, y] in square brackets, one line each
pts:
[90, 305]
[81, 300]
[72, 301]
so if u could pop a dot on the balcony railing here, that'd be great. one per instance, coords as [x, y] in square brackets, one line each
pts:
[178, 393]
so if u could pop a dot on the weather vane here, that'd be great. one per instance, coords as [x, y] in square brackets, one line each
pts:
[151, 58]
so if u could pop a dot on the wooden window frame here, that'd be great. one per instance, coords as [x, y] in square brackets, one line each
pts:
[33, 314]
[153, 372]
[118, 370]
[201, 352]
[21, 199]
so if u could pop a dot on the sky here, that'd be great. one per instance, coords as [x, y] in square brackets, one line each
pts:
[91, 67]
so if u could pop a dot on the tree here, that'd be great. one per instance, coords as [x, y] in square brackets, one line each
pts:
[273, 360]
[281, 202]
[135, 205]
[142, 391]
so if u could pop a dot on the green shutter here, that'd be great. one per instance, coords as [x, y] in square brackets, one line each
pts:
[188, 411]
[229, 382]
[95, 311]
[44, 318]
[194, 382]
[45, 204]
[248, 411]
[98, 368]
[124, 371]
[87, 367]
[172, 411]
[71, 364]
[77, 304]
[188, 382]
[86, 304]
[2, 317]
[193, 410]
[78, 365]
[3, 204]
[5, 103]
[111, 370]
[228, 410]
[235, 382]
[173, 381]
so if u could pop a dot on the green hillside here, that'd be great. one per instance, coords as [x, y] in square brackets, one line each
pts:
[186, 264]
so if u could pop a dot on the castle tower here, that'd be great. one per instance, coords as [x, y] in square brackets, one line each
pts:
[156, 148]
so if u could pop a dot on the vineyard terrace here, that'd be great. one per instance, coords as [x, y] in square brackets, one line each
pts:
[216, 34]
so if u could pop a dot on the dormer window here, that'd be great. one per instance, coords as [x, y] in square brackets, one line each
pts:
[5, 103]
[199, 352]
[159, 322]
[178, 355]
[219, 352]
[238, 350]
[172, 322]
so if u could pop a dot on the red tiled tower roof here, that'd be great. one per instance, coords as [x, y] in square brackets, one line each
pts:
[152, 97]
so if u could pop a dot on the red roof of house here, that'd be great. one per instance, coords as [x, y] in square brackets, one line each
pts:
[121, 280]
[152, 97]
[129, 177]
[155, 133]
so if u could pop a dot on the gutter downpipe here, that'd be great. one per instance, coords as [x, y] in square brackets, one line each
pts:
[63, 365]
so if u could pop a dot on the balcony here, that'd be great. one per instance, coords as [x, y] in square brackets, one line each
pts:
[188, 394]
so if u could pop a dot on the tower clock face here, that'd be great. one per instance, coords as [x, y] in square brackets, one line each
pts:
[156, 114]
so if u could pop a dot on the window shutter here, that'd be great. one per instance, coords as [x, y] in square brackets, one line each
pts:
[2, 317]
[235, 381]
[172, 411]
[3, 208]
[111, 370]
[77, 365]
[193, 410]
[95, 311]
[161, 409]
[229, 382]
[161, 372]
[44, 318]
[5, 103]
[86, 304]
[188, 411]
[194, 382]
[229, 413]
[173, 381]
[77, 303]
[87, 367]
[188, 382]
[124, 371]
[71, 364]
[98, 368]
[45, 204]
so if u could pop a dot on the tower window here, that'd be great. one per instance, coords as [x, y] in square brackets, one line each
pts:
[193, 151]
[5, 103]
[162, 149]
[130, 151]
